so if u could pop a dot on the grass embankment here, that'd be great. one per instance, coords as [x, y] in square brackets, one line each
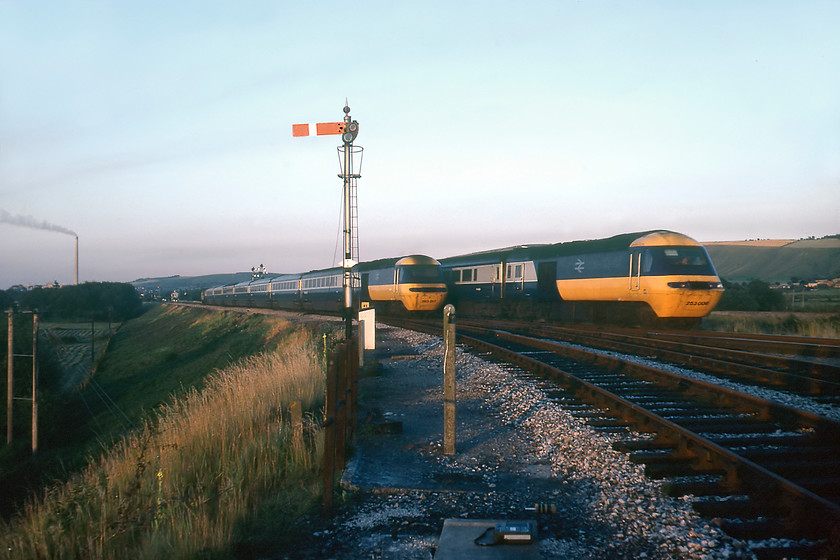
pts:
[211, 473]
[820, 325]
[163, 353]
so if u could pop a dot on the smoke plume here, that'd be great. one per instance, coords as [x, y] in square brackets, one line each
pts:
[30, 222]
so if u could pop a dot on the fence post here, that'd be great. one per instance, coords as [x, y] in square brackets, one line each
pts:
[328, 464]
[353, 397]
[345, 357]
[449, 380]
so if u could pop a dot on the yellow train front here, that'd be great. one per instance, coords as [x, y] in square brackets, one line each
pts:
[668, 271]
[412, 283]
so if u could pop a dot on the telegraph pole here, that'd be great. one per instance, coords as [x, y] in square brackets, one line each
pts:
[10, 381]
[10, 398]
[34, 382]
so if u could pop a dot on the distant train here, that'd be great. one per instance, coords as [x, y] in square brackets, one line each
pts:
[628, 277]
[412, 283]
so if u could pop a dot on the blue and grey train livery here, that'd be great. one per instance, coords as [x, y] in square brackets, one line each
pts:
[412, 283]
[663, 273]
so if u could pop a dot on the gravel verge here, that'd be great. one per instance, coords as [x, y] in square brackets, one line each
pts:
[521, 447]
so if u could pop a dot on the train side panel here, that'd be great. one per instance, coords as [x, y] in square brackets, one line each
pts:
[322, 290]
[382, 284]
[285, 293]
[668, 271]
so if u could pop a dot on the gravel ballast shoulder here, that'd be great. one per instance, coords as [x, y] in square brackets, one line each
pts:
[516, 446]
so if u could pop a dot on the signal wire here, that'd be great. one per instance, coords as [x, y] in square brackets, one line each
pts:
[109, 402]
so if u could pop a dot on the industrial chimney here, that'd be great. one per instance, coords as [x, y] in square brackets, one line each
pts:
[77, 260]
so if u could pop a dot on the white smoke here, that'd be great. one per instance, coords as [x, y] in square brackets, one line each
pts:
[30, 222]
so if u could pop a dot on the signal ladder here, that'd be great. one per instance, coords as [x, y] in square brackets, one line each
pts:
[355, 279]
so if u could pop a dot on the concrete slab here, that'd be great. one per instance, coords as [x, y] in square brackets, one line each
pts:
[457, 542]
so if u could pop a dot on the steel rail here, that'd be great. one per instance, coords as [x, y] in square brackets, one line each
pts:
[804, 512]
[822, 379]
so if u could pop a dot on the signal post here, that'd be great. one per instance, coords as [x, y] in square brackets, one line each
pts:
[348, 129]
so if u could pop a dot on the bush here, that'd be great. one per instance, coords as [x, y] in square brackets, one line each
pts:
[752, 296]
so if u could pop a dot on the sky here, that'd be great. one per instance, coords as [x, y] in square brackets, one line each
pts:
[160, 132]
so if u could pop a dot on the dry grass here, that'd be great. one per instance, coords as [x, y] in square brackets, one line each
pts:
[819, 325]
[194, 476]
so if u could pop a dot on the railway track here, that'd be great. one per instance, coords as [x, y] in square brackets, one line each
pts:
[759, 469]
[808, 367]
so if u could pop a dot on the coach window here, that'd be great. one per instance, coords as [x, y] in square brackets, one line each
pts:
[647, 263]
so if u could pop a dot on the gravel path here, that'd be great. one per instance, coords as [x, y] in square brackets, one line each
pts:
[518, 446]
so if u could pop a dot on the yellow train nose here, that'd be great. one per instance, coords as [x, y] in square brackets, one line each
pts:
[422, 298]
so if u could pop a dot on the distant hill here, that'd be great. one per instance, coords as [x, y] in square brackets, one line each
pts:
[777, 260]
[189, 283]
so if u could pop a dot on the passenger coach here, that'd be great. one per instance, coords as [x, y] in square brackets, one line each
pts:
[413, 283]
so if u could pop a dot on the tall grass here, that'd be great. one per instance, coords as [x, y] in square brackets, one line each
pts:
[820, 325]
[197, 477]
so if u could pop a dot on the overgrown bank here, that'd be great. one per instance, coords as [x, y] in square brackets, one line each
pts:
[820, 325]
[206, 474]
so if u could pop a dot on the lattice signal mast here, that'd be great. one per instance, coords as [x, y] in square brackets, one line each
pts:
[348, 129]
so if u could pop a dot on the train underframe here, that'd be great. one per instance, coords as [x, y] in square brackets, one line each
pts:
[629, 314]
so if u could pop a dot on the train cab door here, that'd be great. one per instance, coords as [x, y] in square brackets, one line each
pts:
[635, 270]
[498, 290]
[365, 293]
[547, 281]
[515, 279]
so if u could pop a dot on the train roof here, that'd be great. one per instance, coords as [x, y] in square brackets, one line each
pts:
[257, 281]
[491, 255]
[378, 263]
[394, 261]
[619, 242]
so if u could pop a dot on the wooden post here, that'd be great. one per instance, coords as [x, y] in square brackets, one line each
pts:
[328, 465]
[10, 383]
[353, 398]
[34, 383]
[449, 380]
[345, 357]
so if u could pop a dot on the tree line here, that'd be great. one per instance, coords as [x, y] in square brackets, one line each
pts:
[100, 301]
